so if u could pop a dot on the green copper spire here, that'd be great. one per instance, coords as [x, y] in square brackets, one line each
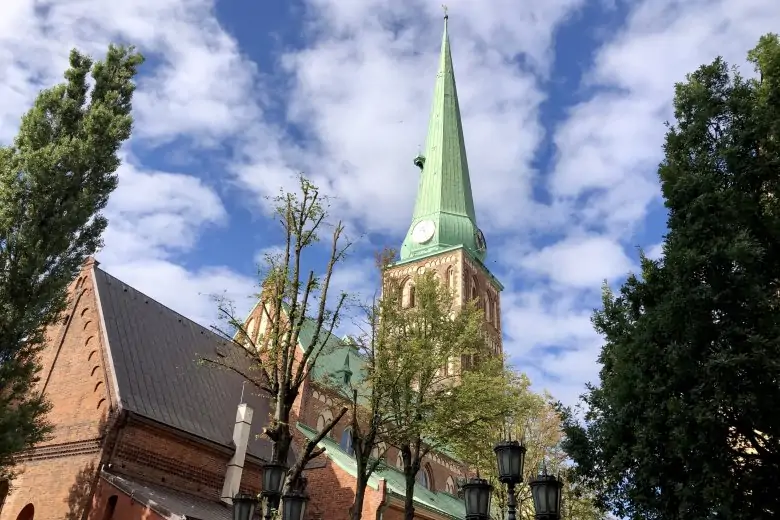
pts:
[444, 211]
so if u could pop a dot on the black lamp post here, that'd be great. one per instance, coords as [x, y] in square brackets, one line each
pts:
[244, 506]
[476, 493]
[547, 492]
[294, 505]
[510, 456]
[273, 482]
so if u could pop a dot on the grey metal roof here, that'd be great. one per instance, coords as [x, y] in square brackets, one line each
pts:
[155, 351]
[168, 502]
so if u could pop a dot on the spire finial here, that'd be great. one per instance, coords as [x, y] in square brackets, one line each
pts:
[444, 7]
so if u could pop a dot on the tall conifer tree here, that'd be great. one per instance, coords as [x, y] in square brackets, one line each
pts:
[55, 179]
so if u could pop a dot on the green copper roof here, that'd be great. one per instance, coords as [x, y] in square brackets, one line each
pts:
[438, 501]
[444, 193]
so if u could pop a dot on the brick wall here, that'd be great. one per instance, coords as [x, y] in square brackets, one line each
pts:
[159, 456]
[73, 378]
[109, 500]
[58, 487]
[332, 494]
[322, 399]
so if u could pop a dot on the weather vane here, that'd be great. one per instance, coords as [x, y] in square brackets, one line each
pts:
[444, 6]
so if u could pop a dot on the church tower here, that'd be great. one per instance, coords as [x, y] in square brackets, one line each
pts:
[443, 234]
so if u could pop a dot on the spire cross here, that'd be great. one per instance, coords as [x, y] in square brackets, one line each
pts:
[444, 7]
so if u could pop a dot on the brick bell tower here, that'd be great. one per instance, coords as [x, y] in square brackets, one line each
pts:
[443, 234]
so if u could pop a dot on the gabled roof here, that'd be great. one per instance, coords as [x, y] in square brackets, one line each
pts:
[154, 352]
[440, 502]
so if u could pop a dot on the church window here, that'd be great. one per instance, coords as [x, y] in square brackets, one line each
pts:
[424, 478]
[451, 280]
[346, 442]
[399, 461]
[474, 293]
[488, 308]
[409, 294]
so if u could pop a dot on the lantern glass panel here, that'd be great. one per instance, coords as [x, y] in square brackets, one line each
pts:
[244, 507]
[477, 494]
[510, 456]
[273, 479]
[546, 491]
[293, 507]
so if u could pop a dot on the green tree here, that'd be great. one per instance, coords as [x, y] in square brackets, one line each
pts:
[55, 179]
[684, 422]
[367, 402]
[537, 423]
[432, 404]
[294, 298]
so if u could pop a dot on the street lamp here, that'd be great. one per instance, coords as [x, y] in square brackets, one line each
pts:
[546, 491]
[273, 482]
[294, 505]
[244, 506]
[477, 493]
[510, 456]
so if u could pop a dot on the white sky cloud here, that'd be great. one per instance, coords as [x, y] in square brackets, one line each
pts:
[580, 262]
[359, 91]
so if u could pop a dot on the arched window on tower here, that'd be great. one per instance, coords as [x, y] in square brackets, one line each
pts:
[474, 290]
[408, 296]
[488, 308]
[452, 281]
[346, 442]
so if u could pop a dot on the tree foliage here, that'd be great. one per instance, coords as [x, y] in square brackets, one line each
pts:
[536, 422]
[55, 179]
[429, 402]
[293, 298]
[684, 423]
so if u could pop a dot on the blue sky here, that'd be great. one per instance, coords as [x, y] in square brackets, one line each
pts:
[563, 103]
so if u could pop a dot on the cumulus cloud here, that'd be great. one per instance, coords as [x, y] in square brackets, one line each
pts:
[156, 217]
[580, 262]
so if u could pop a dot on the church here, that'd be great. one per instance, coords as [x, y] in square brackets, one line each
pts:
[144, 431]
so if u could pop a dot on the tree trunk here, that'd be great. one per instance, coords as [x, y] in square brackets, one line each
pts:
[409, 498]
[360, 493]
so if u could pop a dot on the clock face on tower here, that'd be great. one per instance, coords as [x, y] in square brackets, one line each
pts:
[423, 231]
